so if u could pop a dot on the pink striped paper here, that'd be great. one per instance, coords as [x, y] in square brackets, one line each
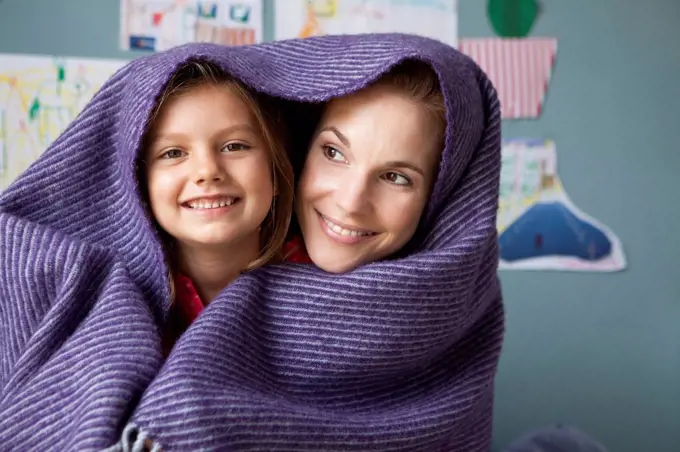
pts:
[519, 68]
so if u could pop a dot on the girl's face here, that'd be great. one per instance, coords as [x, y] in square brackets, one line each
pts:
[208, 170]
[367, 178]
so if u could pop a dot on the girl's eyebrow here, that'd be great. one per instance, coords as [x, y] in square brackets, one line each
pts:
[174, 136]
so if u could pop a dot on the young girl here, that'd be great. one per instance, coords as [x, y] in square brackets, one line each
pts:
[218, 184]
[370, 169]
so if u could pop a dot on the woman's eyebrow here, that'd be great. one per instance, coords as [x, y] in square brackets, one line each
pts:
[400, 164]
[343, 139]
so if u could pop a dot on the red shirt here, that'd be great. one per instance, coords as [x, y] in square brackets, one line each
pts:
[188, 304]
[294, 251]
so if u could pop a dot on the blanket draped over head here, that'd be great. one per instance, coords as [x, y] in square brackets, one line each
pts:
[398, 355]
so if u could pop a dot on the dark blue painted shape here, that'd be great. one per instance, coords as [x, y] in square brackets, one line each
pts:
[551, 229]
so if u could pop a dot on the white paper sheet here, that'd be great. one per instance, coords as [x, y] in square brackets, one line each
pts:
[436, 19]
[539, 227]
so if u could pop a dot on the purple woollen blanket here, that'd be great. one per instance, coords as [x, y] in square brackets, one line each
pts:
[398, 355]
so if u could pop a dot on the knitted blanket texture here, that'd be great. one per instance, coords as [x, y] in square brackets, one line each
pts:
[398, 355]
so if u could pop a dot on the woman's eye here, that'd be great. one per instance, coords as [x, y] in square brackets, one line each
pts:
[333, 154]
[172, 154]
[397, 179]
[233, 147]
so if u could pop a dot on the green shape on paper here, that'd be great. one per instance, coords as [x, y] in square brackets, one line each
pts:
[35, 108]
[61, 76]
[512, 18]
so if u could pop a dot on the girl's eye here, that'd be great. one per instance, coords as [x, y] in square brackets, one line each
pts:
[333, 154]
[397, 179]
[233, 147]
[172, 154]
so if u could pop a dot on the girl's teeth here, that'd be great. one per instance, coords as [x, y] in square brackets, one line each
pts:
[213, 204]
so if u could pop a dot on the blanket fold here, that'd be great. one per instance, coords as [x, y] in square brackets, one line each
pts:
[397, 355]
[78, 341]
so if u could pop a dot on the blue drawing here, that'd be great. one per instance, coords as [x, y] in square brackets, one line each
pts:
[551, 229]
[142, 42]
[207, 11]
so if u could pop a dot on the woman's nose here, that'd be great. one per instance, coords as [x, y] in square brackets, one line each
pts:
[353, 196]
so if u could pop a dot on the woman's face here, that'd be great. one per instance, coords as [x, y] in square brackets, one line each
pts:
[367, 178]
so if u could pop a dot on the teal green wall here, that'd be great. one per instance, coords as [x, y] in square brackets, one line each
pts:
[599, 351]
[602, 351]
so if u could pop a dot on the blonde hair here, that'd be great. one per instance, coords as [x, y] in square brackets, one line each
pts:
[265, 109]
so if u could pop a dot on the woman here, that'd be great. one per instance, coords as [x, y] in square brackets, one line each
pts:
[394, 355]
[370, 169]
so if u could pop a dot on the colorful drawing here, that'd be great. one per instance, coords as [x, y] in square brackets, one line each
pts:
[539, 227]
[436, 19]
[323, 8]
[39, 97]
[160, 24]
[311, 26]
